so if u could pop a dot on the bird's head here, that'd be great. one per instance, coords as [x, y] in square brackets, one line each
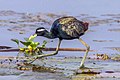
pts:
[86, 24]
[41, 31]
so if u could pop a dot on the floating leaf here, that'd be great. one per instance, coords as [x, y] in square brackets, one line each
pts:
[30, 47]
[32, 37]
[37, 43]
[44, 43]
[22, 49]
[27, 51]
[34, 45]
[25, 43]
[16, 41]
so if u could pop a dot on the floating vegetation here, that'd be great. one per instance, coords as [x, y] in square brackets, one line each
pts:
[116, 58]
[30, 47]
[88, 71]
[102, 56]
[103, 40]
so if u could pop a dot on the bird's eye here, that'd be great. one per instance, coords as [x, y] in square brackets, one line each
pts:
[39, 30]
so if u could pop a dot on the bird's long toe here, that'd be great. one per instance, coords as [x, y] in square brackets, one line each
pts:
[83, 67]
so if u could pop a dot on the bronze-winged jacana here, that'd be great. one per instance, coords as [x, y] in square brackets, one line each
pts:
[66, 28]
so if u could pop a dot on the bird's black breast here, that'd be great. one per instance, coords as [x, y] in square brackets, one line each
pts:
[67, 28]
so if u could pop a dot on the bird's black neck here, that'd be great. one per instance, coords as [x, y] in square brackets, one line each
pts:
[49, 35]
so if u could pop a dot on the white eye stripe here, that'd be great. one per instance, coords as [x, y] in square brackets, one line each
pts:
[39, 30]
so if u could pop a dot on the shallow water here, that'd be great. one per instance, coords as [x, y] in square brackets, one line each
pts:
[103, 16]
[95, 7]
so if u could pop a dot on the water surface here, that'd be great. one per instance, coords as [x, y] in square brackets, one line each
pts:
[18, 17]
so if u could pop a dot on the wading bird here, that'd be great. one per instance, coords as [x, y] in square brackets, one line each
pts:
[66, 28]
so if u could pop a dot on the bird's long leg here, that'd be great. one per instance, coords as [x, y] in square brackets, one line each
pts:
[86, 53]
[45, 55]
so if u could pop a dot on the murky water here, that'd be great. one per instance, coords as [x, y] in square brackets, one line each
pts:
[19, 19]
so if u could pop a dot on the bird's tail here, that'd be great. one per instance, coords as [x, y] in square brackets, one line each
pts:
[86, 24]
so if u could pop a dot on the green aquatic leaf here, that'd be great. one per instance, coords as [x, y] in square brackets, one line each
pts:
[32, 37]
[22, 49]
[34, 45]
[44, 43]
[16, 41]
[37, 43]
[30, 47]
[25, 43]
